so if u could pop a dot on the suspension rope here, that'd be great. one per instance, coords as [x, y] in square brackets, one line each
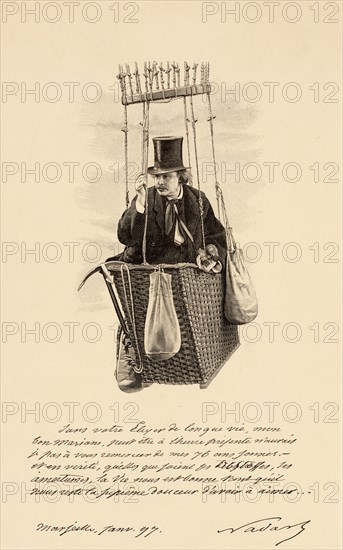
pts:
[185, 111]
[121, 77]
[145, 161]
[201, 207]
[217, 185]
[219, 193]
[143, 143]
[187, 129]
[125, 129]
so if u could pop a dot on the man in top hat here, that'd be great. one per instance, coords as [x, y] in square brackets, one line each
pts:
[174, 230]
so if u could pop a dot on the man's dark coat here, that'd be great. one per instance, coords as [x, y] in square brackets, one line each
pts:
[160, 247]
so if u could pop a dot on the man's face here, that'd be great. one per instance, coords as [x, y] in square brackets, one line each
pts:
[167, 184]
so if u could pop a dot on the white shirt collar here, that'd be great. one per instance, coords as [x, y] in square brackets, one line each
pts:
[180, 195]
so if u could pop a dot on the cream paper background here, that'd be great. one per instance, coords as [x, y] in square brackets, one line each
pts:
[303, 292]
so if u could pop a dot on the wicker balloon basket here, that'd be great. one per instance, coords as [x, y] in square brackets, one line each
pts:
[207, 339]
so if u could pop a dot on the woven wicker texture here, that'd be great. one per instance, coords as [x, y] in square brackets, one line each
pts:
[207, 339]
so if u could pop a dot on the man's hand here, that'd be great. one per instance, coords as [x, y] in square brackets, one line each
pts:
[141, 186]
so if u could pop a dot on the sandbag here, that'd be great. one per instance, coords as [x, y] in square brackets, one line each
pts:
[162, 335]
[241, 305]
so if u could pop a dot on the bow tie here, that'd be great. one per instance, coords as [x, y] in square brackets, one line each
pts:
[171, 215]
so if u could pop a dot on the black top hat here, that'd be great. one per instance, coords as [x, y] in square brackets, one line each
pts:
[167, 155]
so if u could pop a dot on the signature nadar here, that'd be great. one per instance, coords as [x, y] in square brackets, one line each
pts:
[271, 524]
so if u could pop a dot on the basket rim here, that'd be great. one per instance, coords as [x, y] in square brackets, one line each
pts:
[116, 265]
